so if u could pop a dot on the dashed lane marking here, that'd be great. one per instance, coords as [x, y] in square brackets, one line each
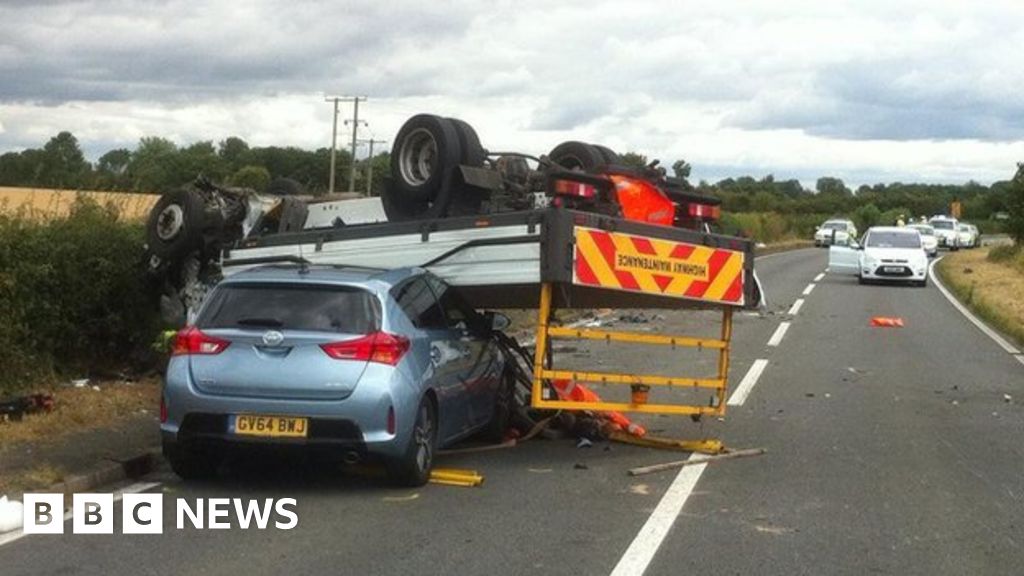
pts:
[819, 277]
[739, 396]
[779, 334]
[809, 288]
[793, 310]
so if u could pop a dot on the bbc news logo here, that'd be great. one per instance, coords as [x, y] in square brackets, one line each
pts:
[144, 514]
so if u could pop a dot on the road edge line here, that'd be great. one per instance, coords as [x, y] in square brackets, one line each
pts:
[985, 328]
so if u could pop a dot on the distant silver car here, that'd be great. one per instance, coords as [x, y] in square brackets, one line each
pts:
[929, 241]
[837, 231]
[350, 362]
[968, 235]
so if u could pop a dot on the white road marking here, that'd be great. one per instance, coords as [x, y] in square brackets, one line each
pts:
[739, 396]
[1010, 348]
[18, 534]
[1020, 358]
[796, 307]
[809, 288]
[779, 334]
[643, 548]
[819, 277]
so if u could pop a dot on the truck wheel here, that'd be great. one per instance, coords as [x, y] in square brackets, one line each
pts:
[473, 154]
[175, 224]
[400, 208]
[426, 150]
[577, 156]
[413, 467]
[607, 154]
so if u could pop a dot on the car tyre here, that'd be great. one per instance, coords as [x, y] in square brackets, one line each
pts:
[413, 467]
[191, 464]
[861, 279]
[574, 155]
[175, 224]
[922, 283]
[503, 408]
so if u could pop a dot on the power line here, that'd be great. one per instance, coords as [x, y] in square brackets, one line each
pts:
[334, 136]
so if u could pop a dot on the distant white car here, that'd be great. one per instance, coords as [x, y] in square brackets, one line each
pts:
[929, 241]
[889, 254]
[968, 235]
[837, 231]
[947, 231]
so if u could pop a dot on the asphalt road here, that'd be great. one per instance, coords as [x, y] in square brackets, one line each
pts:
[890, 450]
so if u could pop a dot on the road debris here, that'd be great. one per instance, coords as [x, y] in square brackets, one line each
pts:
[702, 446]
[11, 512]
[886, 322]
[408, 498]
[584, 443]
[1007, 398]
[580, 466]
[13, 409]
[641, 470]
[456, 477]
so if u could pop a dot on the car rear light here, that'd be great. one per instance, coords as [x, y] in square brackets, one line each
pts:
[391, 419]
[192, 341]
[163, 409]
[706, 211]
[379, 347]
[573, 188]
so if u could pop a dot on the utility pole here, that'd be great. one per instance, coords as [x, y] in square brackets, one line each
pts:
[369, 164]
[334, 136]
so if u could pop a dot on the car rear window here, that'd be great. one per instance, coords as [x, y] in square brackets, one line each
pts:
[318, 308]
[924, 230]
[943, 224]
[893, 240]
[834, 226]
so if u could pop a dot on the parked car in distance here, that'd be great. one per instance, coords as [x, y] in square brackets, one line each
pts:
[929, 241]
[947, 231]
[347, 362]
[889, 253]
[968, 235]
[836, 231]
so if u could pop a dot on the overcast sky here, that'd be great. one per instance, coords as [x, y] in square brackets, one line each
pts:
[868, 91]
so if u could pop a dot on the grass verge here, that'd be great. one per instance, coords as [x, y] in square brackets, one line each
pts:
[80, 409]
[990, 289]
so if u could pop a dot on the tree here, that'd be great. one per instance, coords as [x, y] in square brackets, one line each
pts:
[64, 165]
[1015, 206]
[633, 159]
[681, 169]
[867, 216]
[234, 151]
[255, 177]
[830, 185]
[152, 166]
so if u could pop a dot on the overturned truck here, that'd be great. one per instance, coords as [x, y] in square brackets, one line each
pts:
[574, 228]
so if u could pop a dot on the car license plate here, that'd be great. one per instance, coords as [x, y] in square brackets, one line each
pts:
[272, 426]
[892, 269]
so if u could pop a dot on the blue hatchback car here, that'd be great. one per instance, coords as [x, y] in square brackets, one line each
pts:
[354, 362]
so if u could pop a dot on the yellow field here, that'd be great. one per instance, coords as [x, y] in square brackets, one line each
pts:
[44, 204]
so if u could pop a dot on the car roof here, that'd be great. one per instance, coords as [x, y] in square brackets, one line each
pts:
[903, 229]
[320, 273]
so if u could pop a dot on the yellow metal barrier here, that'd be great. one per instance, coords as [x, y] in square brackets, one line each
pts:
[542, 370]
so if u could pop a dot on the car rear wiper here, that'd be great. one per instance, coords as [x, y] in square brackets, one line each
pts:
[267, 322]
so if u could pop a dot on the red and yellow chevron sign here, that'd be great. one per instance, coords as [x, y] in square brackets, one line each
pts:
[661, 267]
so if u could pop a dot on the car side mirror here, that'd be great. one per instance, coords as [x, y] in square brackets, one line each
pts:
[497, 321]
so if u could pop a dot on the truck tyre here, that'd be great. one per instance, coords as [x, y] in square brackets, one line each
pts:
[413, 467]
[425, 152]
[607, 154]
[577, 156]
[473, 154]
[400, 208]
[175, 224]
[285, 187]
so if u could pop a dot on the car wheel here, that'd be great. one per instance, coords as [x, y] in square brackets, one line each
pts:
[922, 283]
[413, 467]
[503, 406]
[861, 279]
[191, 464]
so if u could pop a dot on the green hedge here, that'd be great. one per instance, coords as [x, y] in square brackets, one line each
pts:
[771, 227]
[73, 296]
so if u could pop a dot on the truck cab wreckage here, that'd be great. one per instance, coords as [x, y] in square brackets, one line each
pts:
[574, 230]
